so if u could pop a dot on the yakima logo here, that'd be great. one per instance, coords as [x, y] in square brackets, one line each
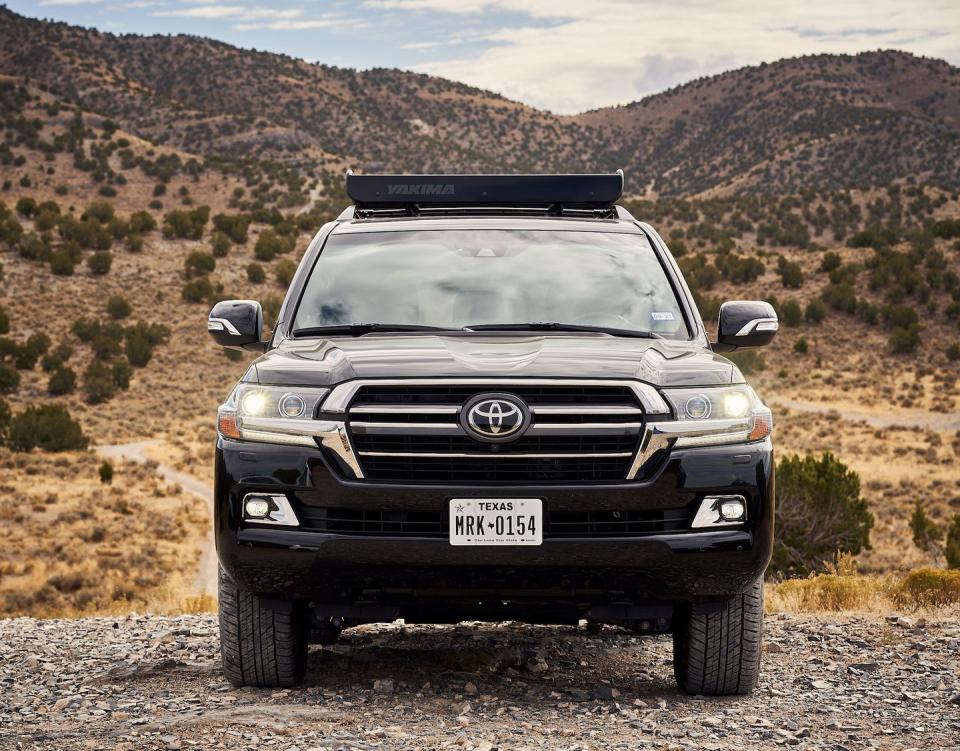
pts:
[420, 189]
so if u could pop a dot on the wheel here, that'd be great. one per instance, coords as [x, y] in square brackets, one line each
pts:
[716, 648]
[259, 645]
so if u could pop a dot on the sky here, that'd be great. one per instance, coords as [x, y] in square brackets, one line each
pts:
[566, 56]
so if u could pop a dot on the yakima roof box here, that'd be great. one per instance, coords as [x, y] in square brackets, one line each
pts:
[428, 192]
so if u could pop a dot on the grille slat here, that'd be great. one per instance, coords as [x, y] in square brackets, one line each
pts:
[578, 434]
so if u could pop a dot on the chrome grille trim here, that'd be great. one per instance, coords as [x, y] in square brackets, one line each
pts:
[339, 399]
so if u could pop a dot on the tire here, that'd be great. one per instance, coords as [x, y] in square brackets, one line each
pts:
[716, 648]
[260, 646]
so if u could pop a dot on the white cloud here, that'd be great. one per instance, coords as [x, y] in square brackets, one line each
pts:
[571, 55]
[291, 25]
[44, 3]
[231, 11]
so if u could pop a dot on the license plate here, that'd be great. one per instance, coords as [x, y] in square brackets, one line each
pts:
[496, 521]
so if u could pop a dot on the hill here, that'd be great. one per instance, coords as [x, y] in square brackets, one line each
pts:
[827, 121]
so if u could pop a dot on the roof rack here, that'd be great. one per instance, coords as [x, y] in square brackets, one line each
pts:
[419, 195]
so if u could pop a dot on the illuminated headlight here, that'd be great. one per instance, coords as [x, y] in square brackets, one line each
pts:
[721, 415]
[270, 414]
[256, 508]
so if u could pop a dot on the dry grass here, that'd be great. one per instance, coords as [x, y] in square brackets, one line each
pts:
[922, 589]
[74, 546]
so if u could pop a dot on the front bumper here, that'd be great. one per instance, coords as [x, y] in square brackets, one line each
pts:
[679, 566]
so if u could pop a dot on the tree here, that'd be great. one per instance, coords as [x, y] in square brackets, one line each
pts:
[98, 384]
[106, 472]
[198, 263]
[62, 381]
[819, 513]
[951, 549]
[9, 379]
[926, 533]
[256, 273]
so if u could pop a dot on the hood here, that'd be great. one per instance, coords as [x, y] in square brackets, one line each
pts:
[326, 362]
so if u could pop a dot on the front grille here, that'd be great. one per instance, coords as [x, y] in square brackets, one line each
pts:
[565, 524]
[578, 434]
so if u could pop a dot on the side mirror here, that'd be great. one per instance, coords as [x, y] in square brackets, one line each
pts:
[745, 323]
[237, 324]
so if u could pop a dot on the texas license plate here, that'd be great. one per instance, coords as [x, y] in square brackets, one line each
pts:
[496, 521]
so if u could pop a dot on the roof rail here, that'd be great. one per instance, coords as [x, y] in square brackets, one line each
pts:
[409, 195]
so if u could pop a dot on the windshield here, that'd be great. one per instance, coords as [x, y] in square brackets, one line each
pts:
[460, 278]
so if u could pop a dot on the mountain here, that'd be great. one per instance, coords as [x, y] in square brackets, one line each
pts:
[827, 121]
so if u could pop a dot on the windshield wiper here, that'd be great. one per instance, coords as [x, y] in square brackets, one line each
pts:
[555, 326]
[359, 329]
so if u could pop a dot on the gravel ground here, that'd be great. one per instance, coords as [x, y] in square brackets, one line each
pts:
[844, 682]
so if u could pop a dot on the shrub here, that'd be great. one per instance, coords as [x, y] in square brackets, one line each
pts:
[5, 418]
[100, 211]
[219, 244]
[142, 222]
[904, 340]
[4, 321]
[739, 269]
[61, 264]
[791, 274]
[56, 357]
[901, 316]
[255, 273]
[186, 224]
[106, 472]
[9, 379]
[929, 587]
[791, 313]
[801, 347]
[141, 341]
[48, 427]
[121, 372]
[953, 352]
[269, 245]
[134, 243]
[98, 385]
[816, 311]
[951, 548]
[62, 381]
[197, 290]
[118, 307]
[100, 262]
[840, 297]
[830, 261]
[26, 206]
[198, 263]
[234, 226]
[284, 272]
[819, 512]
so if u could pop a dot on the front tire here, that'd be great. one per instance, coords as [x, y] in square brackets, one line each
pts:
[260, 646]
[716, 648]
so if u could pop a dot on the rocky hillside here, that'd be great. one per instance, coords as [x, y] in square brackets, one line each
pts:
[828, 121]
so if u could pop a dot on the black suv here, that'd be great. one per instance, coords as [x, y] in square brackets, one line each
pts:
[492, 398]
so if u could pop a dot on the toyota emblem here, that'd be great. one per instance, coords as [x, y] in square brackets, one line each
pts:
[495, 418]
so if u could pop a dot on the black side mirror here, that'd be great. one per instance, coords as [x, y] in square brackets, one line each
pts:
[237, 324]
[745, 323]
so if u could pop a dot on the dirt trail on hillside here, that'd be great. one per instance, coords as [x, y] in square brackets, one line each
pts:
[206, 578]
[908, 418]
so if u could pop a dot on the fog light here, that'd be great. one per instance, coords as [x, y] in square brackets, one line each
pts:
[731, 509]
[256, 508]
[253, 403]
[720, 511]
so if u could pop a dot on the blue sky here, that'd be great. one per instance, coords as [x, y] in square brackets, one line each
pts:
[562, 55]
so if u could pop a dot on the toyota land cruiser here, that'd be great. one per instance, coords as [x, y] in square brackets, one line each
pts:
[492, 398]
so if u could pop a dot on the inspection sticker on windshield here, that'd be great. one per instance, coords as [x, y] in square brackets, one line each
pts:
[662, 315]
[496, 521]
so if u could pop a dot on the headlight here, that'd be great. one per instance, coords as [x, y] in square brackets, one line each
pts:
[711, 416]
[271, 414]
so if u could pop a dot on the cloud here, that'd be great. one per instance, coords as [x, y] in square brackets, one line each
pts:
[231, 11]
[570, 55]
[44, 3]
[317, 23]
